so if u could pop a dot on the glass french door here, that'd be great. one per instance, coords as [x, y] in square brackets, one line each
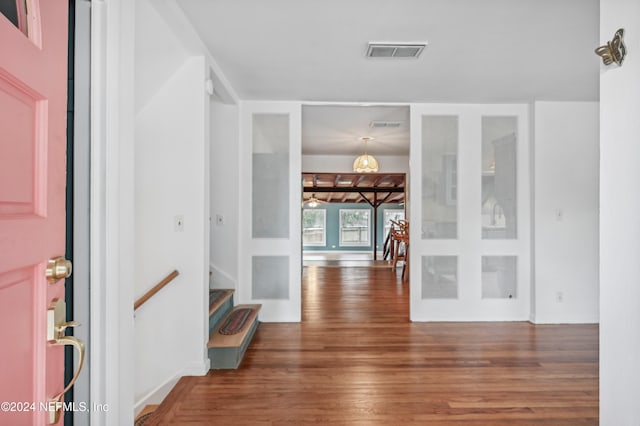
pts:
[270, 197]
[469, 213]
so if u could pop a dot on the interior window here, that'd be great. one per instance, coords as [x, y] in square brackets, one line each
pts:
[314, 227]
[389, 215]
[354, 227]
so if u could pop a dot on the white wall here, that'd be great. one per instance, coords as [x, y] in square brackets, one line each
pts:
[344, 163]
[566, 162]
[159, 53]
[224, 195]
[620, 220]
[171, 178]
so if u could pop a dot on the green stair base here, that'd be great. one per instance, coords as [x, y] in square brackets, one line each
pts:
[220, 309]
[227, 351]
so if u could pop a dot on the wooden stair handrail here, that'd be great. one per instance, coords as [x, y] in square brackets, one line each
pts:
[149, 294]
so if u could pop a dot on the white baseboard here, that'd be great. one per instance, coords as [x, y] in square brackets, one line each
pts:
[157, 395]
[197, 368]
[563, 319]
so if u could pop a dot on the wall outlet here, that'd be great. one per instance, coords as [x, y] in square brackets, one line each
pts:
[178, 223]
[559, 297]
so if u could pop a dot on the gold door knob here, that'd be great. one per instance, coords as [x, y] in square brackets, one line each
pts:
[58, 269]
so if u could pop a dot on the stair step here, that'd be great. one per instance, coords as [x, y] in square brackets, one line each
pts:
[219, 307]
[214, 305]
[217, 340]
[144, 416]
[227, 351]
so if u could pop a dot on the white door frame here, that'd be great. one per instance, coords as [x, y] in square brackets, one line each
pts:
[81, 195]
[112, 210]
[273, 310]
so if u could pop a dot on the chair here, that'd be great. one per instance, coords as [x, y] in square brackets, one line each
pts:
[400, 246]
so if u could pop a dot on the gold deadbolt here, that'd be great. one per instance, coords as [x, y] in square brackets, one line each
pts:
[58, 269]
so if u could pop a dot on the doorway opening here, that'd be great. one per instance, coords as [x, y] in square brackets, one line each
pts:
[346, 214]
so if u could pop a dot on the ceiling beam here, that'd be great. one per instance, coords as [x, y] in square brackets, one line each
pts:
[351, 189]
[385, 198]
[357, 181]
[364, 197]
[376, 202]
[378, 180]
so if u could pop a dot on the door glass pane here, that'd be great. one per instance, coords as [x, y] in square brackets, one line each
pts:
[439, 177]
[499, 277]
[270, 277]
[439, 277]
[16, 12]
[270, 177]
[499, 162]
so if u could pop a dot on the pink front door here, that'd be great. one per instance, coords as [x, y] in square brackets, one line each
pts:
[33, 81]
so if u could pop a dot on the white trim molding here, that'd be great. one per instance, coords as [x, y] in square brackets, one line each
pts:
[112, 210]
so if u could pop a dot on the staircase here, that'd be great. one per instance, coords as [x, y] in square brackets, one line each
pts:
[230, 329]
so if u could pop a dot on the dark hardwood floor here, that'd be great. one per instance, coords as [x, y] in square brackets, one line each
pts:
[357, 360]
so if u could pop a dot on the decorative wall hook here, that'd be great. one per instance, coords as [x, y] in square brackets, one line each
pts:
[614, 50]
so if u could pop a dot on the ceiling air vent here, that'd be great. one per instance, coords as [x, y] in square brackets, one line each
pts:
[395, 50]
[391, 124]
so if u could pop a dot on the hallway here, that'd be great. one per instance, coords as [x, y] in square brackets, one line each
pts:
[357, 360]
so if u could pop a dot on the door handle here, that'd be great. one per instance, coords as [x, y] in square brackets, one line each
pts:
[56, 325]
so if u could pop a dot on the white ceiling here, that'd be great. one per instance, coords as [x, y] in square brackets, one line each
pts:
[479, 51]
[333, 129]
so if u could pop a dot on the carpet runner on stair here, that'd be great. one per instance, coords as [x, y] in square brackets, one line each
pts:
[235, 322]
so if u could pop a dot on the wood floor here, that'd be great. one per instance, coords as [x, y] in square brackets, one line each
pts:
[357, 360]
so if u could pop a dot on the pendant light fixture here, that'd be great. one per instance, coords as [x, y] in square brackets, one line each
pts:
[366, 163]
